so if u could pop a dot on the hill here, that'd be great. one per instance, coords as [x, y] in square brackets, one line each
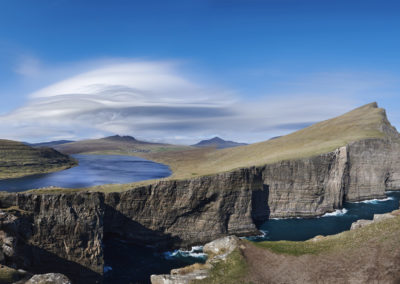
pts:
[125, 145]
[368, 121]
[49, 144]
[218, 143]
[18, 159]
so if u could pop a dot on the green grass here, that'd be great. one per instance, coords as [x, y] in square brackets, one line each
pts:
[232, 270]
[17, 159]
[380, 232]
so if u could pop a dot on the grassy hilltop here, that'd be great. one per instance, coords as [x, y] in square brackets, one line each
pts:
[368, 121]
[18, 159]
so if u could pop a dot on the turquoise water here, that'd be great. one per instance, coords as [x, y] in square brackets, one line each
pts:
[333, 223]
[92, 170]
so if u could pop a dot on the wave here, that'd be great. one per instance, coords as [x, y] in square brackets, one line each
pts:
[261, 237]
[374, 201]
[195, 252]
[337, 212]
[107, 269]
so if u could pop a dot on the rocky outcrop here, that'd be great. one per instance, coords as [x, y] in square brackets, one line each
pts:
[217, 251]
[377, 218]
[49, 278]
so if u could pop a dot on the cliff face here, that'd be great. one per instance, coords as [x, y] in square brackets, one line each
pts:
[180, 213]
[67, 234]
[307, 187]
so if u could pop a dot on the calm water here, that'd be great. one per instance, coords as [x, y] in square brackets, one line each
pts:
[92, 170]
[329, 224]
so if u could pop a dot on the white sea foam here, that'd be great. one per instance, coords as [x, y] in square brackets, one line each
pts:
[374, 201]
[337, 212]
[262, 236]
[195, 252]
[107, 269]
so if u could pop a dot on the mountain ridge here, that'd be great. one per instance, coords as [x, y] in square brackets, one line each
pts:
[218, 143]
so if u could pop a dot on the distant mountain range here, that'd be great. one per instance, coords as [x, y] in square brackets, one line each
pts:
[218, 143]
[49, 144]
[116, 143]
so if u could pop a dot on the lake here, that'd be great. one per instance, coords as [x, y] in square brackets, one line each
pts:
[92, 170]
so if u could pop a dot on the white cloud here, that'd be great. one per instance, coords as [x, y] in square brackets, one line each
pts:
[155, 101]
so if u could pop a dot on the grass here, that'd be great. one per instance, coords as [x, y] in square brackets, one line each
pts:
[107, 146]
[383, 231]
[17, 159]
[362, 123]
[232, 270]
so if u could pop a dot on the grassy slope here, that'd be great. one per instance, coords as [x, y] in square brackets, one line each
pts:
[381, 237]
[364, 122]
[109, 146]
[17, 159]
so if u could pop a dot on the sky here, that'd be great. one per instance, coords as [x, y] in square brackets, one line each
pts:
[183, 71]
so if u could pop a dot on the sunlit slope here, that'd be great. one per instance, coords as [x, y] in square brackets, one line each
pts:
[18, 159]
[368, 121]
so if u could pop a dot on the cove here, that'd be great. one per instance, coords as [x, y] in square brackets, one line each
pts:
[298, 229]
[92, 170]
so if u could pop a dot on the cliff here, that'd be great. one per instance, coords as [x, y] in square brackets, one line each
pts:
[18, 159]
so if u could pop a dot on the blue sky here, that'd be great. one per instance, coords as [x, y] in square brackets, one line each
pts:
[186, 70]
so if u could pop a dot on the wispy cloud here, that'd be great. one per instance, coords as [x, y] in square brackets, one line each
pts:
[156, 101]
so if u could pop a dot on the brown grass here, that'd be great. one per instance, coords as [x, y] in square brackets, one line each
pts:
[362, 123]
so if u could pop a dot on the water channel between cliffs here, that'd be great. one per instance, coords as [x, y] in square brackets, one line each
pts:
[134, 264]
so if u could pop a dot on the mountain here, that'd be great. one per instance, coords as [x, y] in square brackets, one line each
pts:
[368, 121]
[218, 143]
[18, 159]
[49, 144]
[115, 145]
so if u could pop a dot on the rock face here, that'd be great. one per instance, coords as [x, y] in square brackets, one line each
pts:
[49, 278]
[67, 234]
[182, 213]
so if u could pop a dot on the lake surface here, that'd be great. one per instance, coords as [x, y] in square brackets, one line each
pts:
[92, 170]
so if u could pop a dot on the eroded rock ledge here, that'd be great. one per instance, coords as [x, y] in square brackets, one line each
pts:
[67, 230]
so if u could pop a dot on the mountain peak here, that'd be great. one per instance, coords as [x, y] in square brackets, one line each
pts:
[218, 142]
[121, 138]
